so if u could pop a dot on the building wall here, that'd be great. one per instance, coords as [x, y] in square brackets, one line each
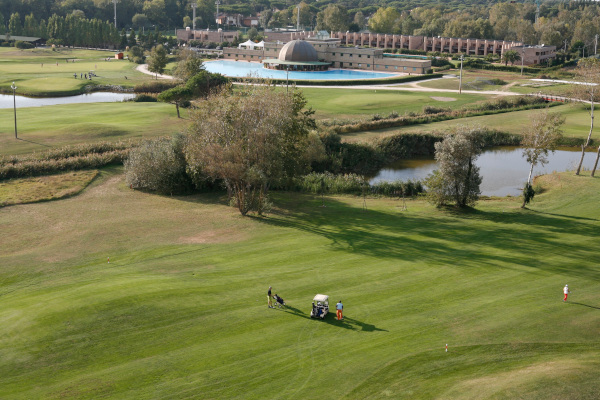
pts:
[535, 55]
[339, 57]
[424, 43]
[206, 36]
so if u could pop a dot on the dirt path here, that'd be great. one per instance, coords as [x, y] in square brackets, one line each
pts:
[143, 68]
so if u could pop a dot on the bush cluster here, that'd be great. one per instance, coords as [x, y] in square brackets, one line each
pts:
[350, 183]
[158, 165]
[155, 86]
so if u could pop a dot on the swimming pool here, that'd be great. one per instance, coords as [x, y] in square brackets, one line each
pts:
[242, 69]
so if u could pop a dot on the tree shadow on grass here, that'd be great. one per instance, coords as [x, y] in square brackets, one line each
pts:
[31, 141]
[471, 238]
[585, 305]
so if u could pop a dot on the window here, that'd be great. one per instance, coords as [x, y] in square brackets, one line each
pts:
[368, 65]
[395, 67]
[368, 56]
[359, 56]
[350, 55]
[350, 64]
[405, 68]
[386, 67]
[360, 65]
[414, 68]
[333, 54]
[341, 54]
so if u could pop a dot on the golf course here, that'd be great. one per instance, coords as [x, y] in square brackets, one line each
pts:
[107, 292]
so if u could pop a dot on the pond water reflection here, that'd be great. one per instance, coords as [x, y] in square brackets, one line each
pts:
[504, 170]
[6, 100]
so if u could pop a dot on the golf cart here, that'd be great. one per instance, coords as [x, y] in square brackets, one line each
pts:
[320, 306]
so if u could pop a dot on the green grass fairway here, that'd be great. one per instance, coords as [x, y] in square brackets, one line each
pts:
[180, 310]
[352, 103]
[577, 124]
[43, 72]
[40, 128]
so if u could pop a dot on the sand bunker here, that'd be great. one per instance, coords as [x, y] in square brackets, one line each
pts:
[443, 98]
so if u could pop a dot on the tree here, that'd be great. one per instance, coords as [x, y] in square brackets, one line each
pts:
[541, 137]
[588, 72]
[189, 64]
[359, 19]
[139, 21]
[305, 14]
[178, 96]
[14, 25]
[511, 56]
[249, 138]
[252, 33]
[383, 20]
[157, 60]
[457, 179]
[333, 18]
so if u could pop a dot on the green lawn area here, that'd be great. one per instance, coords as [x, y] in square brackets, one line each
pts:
[353, 103]
[179, 312]
[44, 72]
[576, 123]
[53, 126]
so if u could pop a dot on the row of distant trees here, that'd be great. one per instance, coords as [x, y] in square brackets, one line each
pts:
[558, 21]
[69, 31]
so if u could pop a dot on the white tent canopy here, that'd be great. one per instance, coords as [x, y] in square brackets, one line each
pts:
[249, 44]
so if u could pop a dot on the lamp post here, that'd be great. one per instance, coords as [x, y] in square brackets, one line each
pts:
[460, 76]
[14, 88]
[287, 79]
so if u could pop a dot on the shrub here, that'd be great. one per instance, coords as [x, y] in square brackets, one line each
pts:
[19, 44]
[158, 165]
[435, 110]
[145, 98]
[154, 86]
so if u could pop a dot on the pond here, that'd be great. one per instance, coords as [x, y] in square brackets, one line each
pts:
[242, 69]
[6, 100]
[503, 169]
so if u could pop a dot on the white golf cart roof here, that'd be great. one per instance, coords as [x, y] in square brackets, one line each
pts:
[321, 297]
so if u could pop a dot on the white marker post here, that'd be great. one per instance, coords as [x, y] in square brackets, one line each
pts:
[446, 347]
[108, 258]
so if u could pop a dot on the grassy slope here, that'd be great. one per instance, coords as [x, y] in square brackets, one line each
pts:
[44, 72]
[180, 310]
[576, 124]
[42, 127]
[348, 103]
[44, 188]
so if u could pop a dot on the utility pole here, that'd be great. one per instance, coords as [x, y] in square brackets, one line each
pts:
[298, 21]
[460, 76]
[596, 44]
[194, 5]
[115, 4]
[217, 3]
[14, 88]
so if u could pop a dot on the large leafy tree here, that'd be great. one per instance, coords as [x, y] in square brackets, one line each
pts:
[249, 138]
[157, 60]
[457, 178]
[383, 20]
[334, 18]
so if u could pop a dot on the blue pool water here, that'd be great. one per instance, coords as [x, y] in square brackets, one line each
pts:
[244, 68]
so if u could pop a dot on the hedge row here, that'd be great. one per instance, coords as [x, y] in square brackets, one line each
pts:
[488, 108]
[349, 82]
[79, 150]
[48, 167]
